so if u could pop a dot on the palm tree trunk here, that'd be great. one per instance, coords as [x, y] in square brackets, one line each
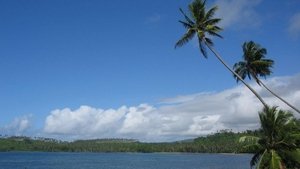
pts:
[291, 106]
[225, 64]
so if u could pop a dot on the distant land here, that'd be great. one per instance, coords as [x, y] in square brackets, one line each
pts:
[224, 141]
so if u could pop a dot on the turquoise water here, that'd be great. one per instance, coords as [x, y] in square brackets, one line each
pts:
[36, 160]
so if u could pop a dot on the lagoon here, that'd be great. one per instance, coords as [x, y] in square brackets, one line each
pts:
[40, 160]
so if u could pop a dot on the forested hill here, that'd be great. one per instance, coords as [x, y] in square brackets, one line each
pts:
[222, 142]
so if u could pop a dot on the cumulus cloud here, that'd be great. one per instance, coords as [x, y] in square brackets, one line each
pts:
[294, 26]
[18, 126]
[85, 121]
[175, 118]
[239, 13]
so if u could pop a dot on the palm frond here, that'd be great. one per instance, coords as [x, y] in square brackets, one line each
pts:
[185, 24]
[285, 145]
[262, 63]
[259, 51]
[211, 12]
[241, 69]
[248, 139]
[260, 68]
[294, 155]
[257, 158]
[296, 135]
[209, 41]
[259, 162]
[252, 148]
[214, 33]
[197, 10]
[202, 47]
[213, 21]
[185, 38]
[291, 159]
[275, 162]
[186, 17]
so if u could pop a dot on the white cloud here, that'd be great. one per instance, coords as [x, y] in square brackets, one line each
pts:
[18, 126]
[238, 13]
[176, 118]
[138, 119]
[294, 27]
[85, 121]
[153, 19]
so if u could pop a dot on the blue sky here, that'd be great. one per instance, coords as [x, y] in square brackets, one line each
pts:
[90, 57]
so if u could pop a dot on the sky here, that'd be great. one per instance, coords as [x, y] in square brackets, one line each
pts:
[77, 69]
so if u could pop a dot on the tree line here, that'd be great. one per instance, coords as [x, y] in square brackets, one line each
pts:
[224, 141]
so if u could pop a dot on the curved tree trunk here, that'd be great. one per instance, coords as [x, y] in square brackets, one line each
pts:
[225, 64]
[291, 106]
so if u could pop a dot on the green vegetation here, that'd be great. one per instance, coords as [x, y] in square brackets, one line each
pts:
[224, 141]
[202, 24]
[254, 65]
[278, 146]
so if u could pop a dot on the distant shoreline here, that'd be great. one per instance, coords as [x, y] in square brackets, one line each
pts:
[65, 152]
[225, 142]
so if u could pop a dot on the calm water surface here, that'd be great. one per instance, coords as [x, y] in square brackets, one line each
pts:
[34, 160]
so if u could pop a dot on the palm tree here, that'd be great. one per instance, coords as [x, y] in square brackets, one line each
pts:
[202, 24]
[254, 64]
[278, 147]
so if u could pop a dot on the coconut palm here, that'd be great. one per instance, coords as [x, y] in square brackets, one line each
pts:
[278, 147]
[200, 23]
[255, 65]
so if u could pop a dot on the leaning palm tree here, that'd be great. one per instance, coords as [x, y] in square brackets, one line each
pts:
[255, 65]
[202, 24]
[278, 146]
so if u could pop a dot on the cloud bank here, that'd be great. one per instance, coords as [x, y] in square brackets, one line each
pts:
[174, 118]
[239, 13]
